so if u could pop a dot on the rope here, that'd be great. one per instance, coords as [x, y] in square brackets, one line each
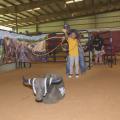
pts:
[63, 38]
[51, 38]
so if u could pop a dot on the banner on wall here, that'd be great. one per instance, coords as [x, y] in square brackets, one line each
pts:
[21, 48]
[17, 47]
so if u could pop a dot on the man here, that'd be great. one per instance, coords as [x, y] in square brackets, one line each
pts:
[98, 48]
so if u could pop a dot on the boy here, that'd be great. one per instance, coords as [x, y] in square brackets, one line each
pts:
[73, 52]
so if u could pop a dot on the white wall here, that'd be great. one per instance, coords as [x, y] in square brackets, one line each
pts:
[110, 20]
[50, 27]
[31, 29]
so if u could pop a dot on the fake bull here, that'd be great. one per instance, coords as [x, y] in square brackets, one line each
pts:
[47, 89]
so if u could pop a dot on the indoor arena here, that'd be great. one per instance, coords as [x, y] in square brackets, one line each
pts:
[59, 59]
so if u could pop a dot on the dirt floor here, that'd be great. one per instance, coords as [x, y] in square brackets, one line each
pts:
[94, 96]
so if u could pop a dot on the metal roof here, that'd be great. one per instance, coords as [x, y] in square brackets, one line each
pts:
[30, 12]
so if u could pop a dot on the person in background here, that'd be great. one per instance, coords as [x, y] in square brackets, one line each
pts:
[98, 48]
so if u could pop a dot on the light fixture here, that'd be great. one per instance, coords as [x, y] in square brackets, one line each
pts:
[78, 0]
[37, 8]
[69, 2]
[72, 1]
[1, 15]
[30, 10]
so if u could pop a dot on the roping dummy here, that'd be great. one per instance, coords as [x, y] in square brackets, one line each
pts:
[48, 89]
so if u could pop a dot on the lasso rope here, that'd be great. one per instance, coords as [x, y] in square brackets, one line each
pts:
[63, 38]
[45, 54]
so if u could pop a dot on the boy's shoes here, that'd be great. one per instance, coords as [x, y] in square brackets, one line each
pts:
[69, 76]
[77, 76]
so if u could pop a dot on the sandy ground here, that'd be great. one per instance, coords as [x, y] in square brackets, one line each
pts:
[94, 96]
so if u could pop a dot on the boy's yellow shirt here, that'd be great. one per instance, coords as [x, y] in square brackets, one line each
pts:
[73, 47]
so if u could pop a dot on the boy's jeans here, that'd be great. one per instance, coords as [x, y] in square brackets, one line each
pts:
[74, 59]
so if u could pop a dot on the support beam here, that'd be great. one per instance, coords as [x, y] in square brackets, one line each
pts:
[13, 16]
[75, 4]
[54, 11]
[2, 21]
[94, 12]
[5, 18]
[24, 15]
[57, 4]
[95, 21]
[11, 3]
[44, 10]
[27, 6]
[31, 13]
[2, 5]
[20, 1]
[30, 0]
[16, 20]
[79, 12]
[32, 19]
[37, 25]
[16, 24]
[9, 16]
[38, 12]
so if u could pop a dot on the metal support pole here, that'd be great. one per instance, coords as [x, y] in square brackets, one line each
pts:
[95, 21]
[89, 42]
[37, 25]
[16, 23]
[111, 48]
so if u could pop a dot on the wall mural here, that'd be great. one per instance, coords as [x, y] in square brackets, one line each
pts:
[16, 47]
[21, 48]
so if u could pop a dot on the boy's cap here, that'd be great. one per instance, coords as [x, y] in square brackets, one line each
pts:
[66, 26]
[74, 31]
